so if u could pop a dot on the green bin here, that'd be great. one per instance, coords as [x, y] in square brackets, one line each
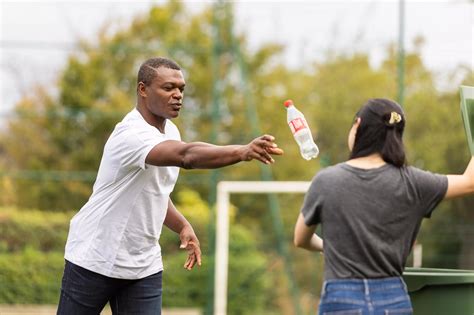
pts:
[440, 291]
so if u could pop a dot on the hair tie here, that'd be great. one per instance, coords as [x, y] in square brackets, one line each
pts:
[395, 118]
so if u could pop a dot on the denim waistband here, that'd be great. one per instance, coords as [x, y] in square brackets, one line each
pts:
[364, 285]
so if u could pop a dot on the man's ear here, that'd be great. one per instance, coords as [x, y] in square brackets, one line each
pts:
[141, 89]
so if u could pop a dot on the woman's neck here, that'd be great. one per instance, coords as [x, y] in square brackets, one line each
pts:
[367, 162]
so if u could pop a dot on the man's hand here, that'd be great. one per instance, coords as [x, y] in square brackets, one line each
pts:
[190, 242]
[261, 149]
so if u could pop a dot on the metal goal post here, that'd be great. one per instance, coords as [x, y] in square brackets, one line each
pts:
[224, 189]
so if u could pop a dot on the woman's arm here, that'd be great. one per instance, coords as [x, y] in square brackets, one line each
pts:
[461, 185]
[305, 236]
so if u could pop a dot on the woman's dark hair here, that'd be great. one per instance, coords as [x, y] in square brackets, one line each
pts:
[380, 131]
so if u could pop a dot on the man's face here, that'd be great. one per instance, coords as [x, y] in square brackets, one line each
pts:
[164, 96]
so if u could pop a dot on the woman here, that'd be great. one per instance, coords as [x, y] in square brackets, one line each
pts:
[370, 209]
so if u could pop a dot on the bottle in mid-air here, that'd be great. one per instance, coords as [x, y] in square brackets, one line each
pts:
[300, 130]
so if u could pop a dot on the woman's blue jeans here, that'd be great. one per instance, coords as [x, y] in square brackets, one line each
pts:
[84, 292]
[365, 297]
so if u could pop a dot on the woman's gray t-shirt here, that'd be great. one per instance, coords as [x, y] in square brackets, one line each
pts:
[370, 218]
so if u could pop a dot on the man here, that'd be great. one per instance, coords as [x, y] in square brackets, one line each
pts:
[112, 252]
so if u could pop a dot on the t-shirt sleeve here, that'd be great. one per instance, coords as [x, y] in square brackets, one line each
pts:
[135, 145]
[431, 188]
[312, 203]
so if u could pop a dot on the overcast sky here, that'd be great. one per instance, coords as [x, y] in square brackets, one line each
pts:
[36, 36]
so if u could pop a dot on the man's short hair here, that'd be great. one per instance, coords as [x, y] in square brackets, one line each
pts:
[147, 71]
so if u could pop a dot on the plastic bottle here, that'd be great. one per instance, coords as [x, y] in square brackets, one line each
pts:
[300, 130]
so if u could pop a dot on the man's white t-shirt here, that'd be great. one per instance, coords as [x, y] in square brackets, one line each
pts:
[116, 232]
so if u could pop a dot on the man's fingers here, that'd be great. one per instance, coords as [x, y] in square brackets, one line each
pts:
[255, 155]
[263, 143]
[268, 138]
[267, 157]
[266, 142]
[194, 255]
[199, 261]
[275, 151]
[184, 244]
[259, 152]
[264, 155]
[262, 148]
[185, 266]
[197, 252]
[190, 262]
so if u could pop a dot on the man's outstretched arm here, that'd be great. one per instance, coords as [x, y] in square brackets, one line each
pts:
[206, 156]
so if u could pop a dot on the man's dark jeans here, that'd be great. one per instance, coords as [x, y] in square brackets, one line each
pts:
[84, 292]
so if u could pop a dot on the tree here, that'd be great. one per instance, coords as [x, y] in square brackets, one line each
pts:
[95, 90]
[97, 87]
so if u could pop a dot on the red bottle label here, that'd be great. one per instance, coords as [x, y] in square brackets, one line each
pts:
[297, 124]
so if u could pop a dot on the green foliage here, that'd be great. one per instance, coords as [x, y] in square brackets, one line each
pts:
[38, 230]
[97, 87]
[197, 212]
[181, 287]
[248, 277]
[248, 274]
[441, 239]
[30, 277]
[32, 250]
